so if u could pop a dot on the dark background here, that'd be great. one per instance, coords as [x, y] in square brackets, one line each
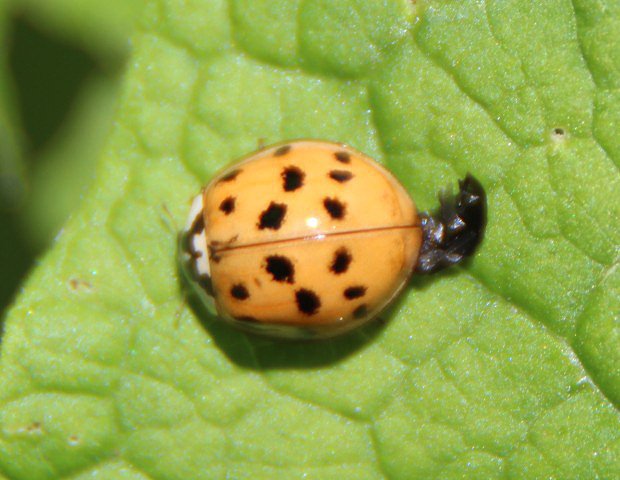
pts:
[58, 102]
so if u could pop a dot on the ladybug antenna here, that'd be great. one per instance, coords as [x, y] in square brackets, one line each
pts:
[454, 231]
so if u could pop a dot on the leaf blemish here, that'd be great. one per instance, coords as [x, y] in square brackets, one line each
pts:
[78, 284]
[558, 134]
[34, 427]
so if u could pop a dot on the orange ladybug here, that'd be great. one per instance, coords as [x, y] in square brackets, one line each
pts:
[311, 239]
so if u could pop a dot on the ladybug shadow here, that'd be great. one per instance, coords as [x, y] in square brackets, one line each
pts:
[257, 352]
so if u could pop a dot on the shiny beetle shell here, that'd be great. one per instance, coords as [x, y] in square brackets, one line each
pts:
[301, 240]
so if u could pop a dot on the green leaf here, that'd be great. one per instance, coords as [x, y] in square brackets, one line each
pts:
[504, 368]
[101, 27]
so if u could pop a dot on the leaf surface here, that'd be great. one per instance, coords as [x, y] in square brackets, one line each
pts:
[505, 368]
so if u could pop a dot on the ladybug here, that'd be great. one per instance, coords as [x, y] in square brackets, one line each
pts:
[311, 239]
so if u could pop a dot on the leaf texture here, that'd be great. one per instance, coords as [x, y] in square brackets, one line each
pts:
[505, 368]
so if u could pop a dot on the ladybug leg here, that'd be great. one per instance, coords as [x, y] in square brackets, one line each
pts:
[454, 231]
[168, 219]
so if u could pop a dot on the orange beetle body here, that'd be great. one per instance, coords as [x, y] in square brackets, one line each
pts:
[301, 240]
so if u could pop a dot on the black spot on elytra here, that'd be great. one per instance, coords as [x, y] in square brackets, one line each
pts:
[228, 205]
[272, 217]
[239, 292]
[280, 268]
[334, 207]
[360, 311]
[355, 292]
[343, 156]
[308, 302]
[293, 178]
[340, 176]
[342, 260]
[230, 176]
[283, 150]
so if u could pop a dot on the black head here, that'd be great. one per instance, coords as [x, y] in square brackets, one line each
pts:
[454, 231]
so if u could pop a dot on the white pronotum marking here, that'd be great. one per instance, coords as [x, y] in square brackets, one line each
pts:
[198, 241]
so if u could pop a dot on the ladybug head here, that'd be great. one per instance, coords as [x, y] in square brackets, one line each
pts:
[454, 231]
